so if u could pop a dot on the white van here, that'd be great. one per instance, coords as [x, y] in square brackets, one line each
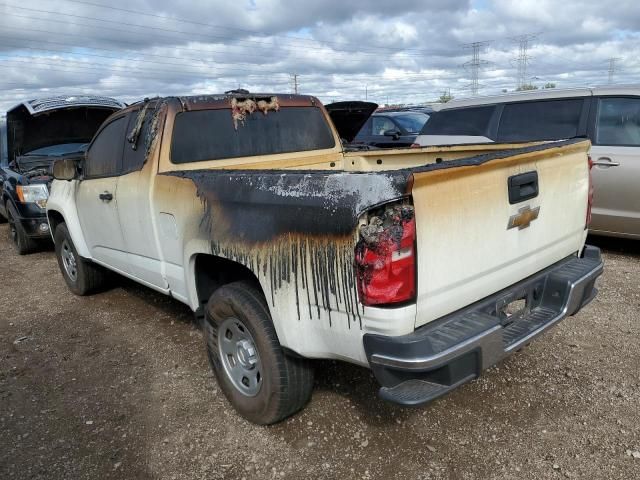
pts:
[609, 116]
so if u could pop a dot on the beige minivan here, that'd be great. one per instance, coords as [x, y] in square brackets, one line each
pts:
[609, 116]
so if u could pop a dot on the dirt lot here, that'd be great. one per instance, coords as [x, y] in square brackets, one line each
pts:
[117, 386]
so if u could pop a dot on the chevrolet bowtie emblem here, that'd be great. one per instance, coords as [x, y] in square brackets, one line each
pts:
[523, 218]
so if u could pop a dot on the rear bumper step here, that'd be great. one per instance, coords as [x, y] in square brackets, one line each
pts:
[419, 367]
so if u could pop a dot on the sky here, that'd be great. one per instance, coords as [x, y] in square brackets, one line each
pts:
[401, 51]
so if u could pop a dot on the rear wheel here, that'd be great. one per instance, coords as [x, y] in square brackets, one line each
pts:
[17, 234]
[262, 383]
[82, 276]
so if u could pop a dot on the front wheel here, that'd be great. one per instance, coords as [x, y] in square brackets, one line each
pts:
[17, 234]
[81, 275]
[262, 383]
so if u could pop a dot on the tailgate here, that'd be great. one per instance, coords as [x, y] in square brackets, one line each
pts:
[465, 248]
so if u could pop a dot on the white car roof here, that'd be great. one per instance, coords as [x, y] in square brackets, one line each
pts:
[543, 94]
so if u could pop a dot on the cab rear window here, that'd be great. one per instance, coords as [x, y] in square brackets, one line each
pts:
[211, 135]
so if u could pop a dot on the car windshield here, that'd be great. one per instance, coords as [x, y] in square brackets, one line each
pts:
[412, 122]
[57, 150]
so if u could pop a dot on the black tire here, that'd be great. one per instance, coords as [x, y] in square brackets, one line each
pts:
[286, 381]
[17, 235]
[88, 277]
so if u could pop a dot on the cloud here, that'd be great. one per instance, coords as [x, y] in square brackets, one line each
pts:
[402, 52]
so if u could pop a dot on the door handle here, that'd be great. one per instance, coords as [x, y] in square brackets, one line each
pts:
[106, 197]
[605, 162]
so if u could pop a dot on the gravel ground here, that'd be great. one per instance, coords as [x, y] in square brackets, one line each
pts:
[117, 385]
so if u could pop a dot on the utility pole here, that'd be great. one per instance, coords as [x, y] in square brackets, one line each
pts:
[366, 92]
[294, 82]
[612, 67]
[475, 64]
[524, 42]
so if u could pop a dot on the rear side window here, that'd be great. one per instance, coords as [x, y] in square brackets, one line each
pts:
[618, 122]
[210, 134]
[548, 120]
[472, 121]
[104, 158]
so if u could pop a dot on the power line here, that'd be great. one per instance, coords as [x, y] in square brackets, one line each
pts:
[293, 42]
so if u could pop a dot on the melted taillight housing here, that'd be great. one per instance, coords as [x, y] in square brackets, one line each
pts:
[590, 194]
[386, 257]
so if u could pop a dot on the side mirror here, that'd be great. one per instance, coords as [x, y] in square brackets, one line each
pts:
[65, 169]
[392, 133]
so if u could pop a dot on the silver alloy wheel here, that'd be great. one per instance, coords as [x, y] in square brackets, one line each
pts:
[69, 261]
[240, 357]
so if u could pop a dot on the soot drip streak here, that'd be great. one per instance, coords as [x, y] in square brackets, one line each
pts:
[285, 264]
[296, 228]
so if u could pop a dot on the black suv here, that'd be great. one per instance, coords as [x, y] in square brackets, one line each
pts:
[34, 135]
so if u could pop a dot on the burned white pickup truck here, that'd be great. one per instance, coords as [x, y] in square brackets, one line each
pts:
[425, 265]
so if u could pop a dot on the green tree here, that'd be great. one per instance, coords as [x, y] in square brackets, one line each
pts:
[528, 86]
[445, 97]
[550, 85]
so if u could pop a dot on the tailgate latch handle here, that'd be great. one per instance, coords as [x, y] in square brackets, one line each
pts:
[523, 187]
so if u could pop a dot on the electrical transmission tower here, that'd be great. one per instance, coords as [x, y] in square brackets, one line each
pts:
[612, 67]
[475, 64]
[294, 82]
[524, 42]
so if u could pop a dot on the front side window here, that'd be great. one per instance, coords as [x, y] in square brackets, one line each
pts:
[618, 122]
[201, 135]
[135, 149]
[544, 120]
[104, 158]
[412, 122]
[382, 124]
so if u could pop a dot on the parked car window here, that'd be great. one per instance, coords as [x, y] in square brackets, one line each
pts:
[411, 122]
[381, 125]
[473, 121]
[210, 134]
[104, 157]
[133, 160]
[545, 120]
[618, 122]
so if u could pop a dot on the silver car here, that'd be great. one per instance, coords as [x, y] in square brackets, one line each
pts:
[609, 116]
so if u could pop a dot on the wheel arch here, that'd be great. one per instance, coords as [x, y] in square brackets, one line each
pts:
[56, 217]
[210, 272]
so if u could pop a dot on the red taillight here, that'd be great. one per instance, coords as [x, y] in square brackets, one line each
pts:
[590, 194]
[416, 145]
[385, 261]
